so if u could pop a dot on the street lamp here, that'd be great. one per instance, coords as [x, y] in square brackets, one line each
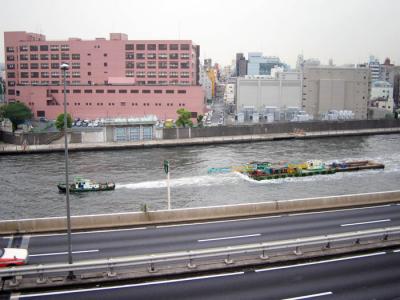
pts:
[64, 68]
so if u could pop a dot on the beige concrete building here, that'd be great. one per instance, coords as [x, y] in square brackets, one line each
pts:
[281, 90]
[328, 88]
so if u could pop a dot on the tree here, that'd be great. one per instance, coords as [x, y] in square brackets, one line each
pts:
[60, 121]
[17, 112]
[200, 120]
[184, 118]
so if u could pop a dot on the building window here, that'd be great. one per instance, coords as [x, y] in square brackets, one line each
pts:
[173, 65]
[64, 47]
[23, 48]
[44, 65]
[185, 47]
[44, 56]
[34, 57]
[54, 56]
[157, 91]
[151, 74]
[76, 74]
[76, 91]
[76, 65]
[145, 91]
[140, 47]
[140, 56]
[11, 66]
[162, 47]
[184, 74]
[34, 48]
[76, 56]
[89, 73]
[11, 75]
[170, 91]
[173, 75]
[129, 65]
[122, 91]
[34, 66]
[162, 56]
[151, 56]
[129, 47]
[105, 64]
[55, 74]
[134, 91]
[151, 46]
[151, 65]
[140, 65]
[185, 65]
[10, 49]
[181, 91]
[111, 91]
[64, 56]
[11, 92]
[11, 83]
[10, 57]
[173, 47]
[185, 55]
[44, 48]
[40, 113]
[55, 65]
[54, 47]
[129, 55]
[129, 74]
[123, 103]
[173, 56]
[147, 133]
[23, 57]
[88, 91]
[163, 74]
[162, 65]
[99, 91]
[140, 74]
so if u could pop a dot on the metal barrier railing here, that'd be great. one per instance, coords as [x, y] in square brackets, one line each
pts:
[265, 249]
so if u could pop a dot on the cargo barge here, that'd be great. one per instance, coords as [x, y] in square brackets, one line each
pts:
[267, 170]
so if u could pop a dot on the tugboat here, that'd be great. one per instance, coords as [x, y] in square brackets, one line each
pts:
[267, 170]
[86, 185]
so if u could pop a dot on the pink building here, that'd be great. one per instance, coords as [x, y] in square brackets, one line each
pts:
[106, 78]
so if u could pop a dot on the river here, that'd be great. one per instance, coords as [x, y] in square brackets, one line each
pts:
[29, 182]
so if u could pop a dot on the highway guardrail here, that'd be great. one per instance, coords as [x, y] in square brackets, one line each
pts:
[228, 256]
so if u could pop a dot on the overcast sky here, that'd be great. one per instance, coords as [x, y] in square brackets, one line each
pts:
[348, 31]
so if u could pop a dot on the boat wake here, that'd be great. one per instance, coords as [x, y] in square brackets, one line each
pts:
[208, 180]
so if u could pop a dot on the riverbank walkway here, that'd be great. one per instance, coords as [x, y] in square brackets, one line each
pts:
[25, 149]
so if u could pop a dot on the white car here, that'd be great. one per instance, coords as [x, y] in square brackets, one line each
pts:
[13, 257]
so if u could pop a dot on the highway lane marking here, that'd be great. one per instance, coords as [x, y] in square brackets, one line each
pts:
[321, 262]
[368, 222]
[395, 251]
[63, 253]
[217, 222]
[310, 296]
[132, 285]
[338, 210]
[229, 237]
[81, 232]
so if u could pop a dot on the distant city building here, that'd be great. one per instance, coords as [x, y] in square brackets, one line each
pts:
[260, 91]
[382, 95]
[261, 65]
[208, 63]
[310, 62]
[205, 83]
[229, 94]
[106, 78]
[327, 88]
[391, 74]
[375, 68]
[241, 65]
